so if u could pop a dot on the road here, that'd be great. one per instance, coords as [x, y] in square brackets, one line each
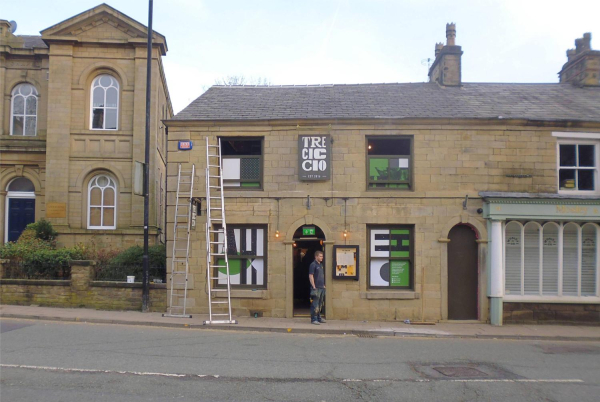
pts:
[54, 361]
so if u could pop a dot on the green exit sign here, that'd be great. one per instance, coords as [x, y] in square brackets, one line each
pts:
[308, 231]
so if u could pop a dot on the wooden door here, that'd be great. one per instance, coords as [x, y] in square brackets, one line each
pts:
[21, 212]
[462, 274]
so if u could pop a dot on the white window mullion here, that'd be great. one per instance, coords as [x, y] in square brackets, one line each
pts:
[541, 266]
[560, 258]
[579, 258]
[522, 260]
[598, 261]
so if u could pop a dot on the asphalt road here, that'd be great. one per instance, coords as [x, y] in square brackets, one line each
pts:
[53, 361]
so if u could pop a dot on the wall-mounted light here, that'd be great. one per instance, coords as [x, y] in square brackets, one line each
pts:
[345, 223]
[369, 146]
[277, 231]
[294, 244]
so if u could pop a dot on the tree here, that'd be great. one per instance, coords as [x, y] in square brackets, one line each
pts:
[242, 80]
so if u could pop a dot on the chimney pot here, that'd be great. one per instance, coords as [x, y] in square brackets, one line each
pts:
[450, 34]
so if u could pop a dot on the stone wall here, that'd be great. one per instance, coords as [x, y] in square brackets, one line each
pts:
[81, 291]
[551, 313]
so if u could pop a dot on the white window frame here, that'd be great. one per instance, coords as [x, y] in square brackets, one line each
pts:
[34, 93]
[579, 139]
[102, 207]
[560, 298]
[96, 83]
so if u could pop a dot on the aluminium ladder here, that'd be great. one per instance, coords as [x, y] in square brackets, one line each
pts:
[216, 240]
[180, 258]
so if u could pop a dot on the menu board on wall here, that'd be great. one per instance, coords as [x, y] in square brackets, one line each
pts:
[345, 262]
[399, 273]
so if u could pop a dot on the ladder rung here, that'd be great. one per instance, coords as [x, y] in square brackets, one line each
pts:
[218, 266]
[220, 314]
[177, 294]
[214, 186]
[212, 146]
[216, 231]
[216, 242]
[219, 290]
[215, 277]
[217, 166]
[219, 302]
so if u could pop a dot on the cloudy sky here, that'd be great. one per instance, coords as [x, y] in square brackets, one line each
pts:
[341, 41]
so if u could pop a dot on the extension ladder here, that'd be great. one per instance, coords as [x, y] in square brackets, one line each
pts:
[216, 240]
[180, 258]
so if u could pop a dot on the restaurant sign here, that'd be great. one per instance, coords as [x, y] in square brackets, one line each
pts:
[314, 157]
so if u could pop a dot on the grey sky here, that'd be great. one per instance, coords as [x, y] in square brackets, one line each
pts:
[342, 41]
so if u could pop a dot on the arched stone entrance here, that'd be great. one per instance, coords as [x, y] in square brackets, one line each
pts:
[463, 274]
[295, 238]
[307, 240]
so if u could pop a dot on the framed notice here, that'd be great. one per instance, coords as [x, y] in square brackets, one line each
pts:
[345, 262]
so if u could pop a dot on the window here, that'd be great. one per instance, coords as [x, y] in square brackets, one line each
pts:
[105, 103]
[242, 162]
[102, 201]
[553, 260]
[578, 166]
[389, 162]
[391, 262]
[246, 249]
[24, 110]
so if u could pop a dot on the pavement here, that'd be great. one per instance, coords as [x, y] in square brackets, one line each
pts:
[303, 325]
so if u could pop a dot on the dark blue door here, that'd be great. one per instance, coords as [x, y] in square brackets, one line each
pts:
[21, 212]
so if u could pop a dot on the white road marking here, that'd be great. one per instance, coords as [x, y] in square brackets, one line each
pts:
[143, 373]
[76, 370]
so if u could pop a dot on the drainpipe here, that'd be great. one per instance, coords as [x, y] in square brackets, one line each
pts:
[496, 290]
[166, 181]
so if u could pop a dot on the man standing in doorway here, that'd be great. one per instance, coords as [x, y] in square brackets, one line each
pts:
[317, 290]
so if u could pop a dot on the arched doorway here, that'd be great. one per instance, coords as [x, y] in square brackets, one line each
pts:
[307, 240]
[463, 275]
[20, 207]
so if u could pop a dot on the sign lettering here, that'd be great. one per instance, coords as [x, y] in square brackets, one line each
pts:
[314, 157]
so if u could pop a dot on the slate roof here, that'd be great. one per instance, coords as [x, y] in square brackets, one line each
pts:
[32, 41]
[552, 102]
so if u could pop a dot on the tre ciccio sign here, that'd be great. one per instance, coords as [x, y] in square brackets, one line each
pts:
[314, 157]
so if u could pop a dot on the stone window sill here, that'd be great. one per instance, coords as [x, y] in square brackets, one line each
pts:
[244, 294]
[391, 295]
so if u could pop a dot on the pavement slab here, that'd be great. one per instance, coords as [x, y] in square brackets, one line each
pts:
[302, 325]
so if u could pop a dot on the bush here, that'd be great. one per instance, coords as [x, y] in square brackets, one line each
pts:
[35, 256]
[130, 262]
[43, 230]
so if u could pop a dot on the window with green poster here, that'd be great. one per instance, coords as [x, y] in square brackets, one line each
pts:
[242, 162]
[246, 252]
[391, 257]
[389, 162]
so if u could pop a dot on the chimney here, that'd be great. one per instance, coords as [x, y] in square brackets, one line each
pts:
[583, 64]
[445, 70]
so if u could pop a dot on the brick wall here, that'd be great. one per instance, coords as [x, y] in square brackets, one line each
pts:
[81, 291]
[552, 313]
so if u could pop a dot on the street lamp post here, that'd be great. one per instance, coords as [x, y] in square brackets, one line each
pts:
[145, 275]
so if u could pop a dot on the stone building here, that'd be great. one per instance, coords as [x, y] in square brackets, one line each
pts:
[72, 125]
[438, 201]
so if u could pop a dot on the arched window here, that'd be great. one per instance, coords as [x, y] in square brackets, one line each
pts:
[105, 103]
[102, 201]
[24, 110]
